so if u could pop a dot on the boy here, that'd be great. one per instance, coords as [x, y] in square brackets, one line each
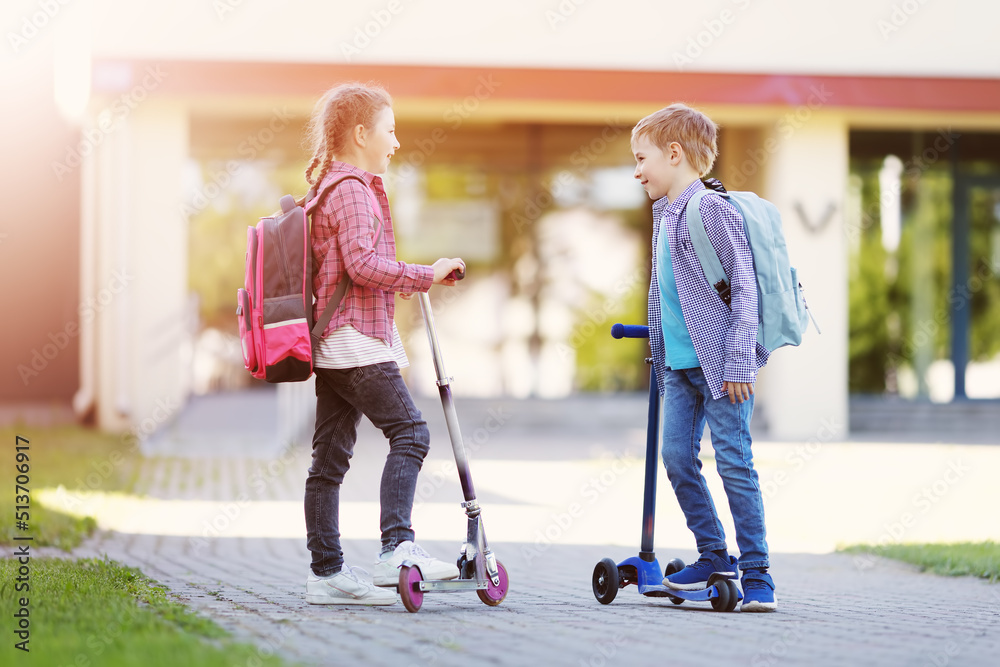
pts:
[705, 353]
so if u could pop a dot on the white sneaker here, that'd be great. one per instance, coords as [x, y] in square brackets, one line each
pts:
[349, 586]
[387, 569]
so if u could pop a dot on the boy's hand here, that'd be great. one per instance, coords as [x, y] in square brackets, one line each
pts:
[406, 296]
[443, 267]
[738, 391]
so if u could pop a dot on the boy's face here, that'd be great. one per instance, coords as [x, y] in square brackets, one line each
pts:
[654, 168]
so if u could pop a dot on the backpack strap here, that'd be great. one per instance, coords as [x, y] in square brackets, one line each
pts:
[707, 257]
[312, 203]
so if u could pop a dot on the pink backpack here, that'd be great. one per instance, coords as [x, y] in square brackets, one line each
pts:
[274, 308]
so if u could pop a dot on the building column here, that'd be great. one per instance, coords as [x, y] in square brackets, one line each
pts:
[142, 317]
[803, 391]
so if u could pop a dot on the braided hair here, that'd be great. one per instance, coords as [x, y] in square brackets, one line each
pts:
[334, 118]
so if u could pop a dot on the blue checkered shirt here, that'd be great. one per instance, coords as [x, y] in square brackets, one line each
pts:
[725, 340]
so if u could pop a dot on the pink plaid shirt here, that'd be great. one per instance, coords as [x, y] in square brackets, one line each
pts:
[343, 234]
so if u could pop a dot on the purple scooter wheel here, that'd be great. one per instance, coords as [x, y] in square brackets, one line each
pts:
[412, 596]
[494, 595]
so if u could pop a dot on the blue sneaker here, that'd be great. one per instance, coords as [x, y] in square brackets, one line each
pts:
[758, 591]
[695, 576]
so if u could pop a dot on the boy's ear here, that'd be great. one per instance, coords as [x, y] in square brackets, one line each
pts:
[674, 152]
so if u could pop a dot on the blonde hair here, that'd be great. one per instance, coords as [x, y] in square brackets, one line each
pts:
[337, 113]
[694, 131]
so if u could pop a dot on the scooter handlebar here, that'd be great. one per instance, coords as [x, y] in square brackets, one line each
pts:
[629, 331]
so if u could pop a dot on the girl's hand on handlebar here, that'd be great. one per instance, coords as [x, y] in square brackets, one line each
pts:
[443, 268]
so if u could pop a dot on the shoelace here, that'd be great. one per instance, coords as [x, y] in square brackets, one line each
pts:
[358, 574]
[417, 550]
[755, 584]
[703, 563]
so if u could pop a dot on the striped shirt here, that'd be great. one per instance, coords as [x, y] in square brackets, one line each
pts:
[349, 348]
[343, 245]
[725, 339]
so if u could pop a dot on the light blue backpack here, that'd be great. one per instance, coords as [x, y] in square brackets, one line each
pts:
[783, 314]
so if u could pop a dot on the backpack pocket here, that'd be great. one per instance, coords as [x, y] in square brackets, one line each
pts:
[244, 317]
[782, 316]
[287, 346]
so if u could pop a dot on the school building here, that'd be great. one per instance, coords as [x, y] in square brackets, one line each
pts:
[143, 129]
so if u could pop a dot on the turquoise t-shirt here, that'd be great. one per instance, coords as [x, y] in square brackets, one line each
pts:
[678, 348]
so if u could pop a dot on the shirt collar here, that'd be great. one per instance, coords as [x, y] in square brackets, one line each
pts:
[677, 205]
[343, 167]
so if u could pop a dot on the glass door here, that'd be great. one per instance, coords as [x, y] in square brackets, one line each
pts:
[975, 293]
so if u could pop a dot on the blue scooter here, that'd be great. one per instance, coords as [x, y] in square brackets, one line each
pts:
[643, 570]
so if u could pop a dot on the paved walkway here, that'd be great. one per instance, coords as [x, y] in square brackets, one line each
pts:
[226, 534]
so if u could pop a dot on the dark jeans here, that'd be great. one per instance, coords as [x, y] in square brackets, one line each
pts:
[342, 397]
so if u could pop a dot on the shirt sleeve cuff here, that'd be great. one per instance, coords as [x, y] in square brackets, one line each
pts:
[738, 373]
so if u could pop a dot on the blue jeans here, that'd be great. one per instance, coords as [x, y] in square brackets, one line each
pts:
[342, 397]
[687, 406]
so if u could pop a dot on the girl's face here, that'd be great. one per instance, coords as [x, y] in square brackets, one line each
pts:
[380, 142]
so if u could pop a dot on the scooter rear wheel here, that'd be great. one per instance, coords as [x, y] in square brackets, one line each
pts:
[412, 596]
[494, 595]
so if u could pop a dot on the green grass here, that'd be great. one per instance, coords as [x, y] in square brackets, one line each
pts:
[73, 457]
[976, 559]
[94, 612]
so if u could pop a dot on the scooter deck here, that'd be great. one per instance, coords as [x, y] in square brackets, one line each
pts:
[649, 581]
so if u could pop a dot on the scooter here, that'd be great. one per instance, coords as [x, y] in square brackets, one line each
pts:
[479, 570]
[644, 570]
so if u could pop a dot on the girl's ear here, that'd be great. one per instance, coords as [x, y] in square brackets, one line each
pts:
[360, 135]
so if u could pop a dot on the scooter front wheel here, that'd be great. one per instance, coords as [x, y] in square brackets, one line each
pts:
[409, 591]
[494, 595]
[721, 603]
[734, 595]
[605, 581]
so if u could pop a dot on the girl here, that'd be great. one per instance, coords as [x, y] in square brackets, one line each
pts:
[358, 359]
